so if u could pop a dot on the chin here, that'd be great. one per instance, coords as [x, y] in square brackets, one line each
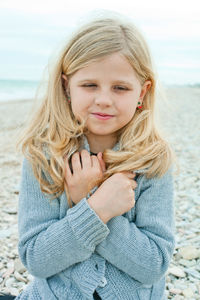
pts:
[101, 132]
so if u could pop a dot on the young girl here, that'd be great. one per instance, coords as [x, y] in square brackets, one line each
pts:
[96, 216]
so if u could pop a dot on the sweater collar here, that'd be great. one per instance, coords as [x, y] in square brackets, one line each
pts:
[85, 145]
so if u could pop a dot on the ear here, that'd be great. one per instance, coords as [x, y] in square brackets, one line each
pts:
[146, 86]
[64, 81]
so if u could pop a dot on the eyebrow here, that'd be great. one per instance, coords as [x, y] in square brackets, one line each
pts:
[123, 82]
[115, 82]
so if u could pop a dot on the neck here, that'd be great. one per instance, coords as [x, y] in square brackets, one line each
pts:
[100, 143]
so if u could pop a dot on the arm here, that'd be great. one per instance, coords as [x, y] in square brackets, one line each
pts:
[48, 244]
[143, 248]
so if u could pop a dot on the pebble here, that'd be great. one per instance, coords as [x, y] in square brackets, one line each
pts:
[192, 272]
[5, 233]
[1, 265]
[175, 291]
[19, 277]
[8, 273]
[10, 210]
[182, 128]
[176, 271]
[19, 267]
[187, 263]
[18, 284]
[189, 252]
[188, 293]
[9, 282]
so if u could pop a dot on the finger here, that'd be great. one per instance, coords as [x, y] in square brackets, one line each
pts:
[76, 163]
[86, 159]
[95, 163]
[96, 167]
[67, 169]
[102, 163]
[134, 184]
[129, 174]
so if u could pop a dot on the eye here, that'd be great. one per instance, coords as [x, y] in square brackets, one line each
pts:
[89, 85]
[121, 88]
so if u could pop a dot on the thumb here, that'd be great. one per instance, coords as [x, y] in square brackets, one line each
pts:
[129, 174]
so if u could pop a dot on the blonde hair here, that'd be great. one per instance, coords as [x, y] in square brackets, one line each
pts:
[54, 130]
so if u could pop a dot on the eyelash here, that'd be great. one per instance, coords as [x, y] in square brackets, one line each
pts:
[121, 88]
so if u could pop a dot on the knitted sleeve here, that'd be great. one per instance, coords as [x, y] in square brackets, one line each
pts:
[47, 244]
[143, 248]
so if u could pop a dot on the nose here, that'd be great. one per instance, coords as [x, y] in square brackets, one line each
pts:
[103, 98]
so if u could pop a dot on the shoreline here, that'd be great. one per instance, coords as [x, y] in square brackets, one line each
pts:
[160, 85]
[16, 100]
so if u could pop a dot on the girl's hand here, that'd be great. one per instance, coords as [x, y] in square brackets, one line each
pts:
[84, 175]
[115, 196]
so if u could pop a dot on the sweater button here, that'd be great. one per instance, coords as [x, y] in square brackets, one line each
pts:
[103, 282]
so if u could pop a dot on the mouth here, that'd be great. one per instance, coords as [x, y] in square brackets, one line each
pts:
[101, 116]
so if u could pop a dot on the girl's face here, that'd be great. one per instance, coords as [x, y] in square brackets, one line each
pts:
[109, 87]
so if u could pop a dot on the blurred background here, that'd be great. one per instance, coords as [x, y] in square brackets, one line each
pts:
[30, 31]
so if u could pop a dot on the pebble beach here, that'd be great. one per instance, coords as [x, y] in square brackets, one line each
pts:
[180, 119]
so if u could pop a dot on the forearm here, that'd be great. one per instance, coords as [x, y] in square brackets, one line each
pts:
[143, 244]
[48, 243]
[57, 245]
[141, 254]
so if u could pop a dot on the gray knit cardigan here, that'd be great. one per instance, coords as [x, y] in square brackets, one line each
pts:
[71, 252]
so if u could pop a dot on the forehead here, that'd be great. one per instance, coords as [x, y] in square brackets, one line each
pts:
[114, 66]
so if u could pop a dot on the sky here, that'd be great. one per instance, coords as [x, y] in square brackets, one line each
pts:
[30, 31]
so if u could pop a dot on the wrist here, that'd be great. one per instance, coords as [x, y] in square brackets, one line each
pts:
[96, 205]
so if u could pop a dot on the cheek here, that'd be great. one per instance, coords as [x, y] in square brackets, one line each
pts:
[76, 108]
[128, 108]
[79, 108]
[131, 113]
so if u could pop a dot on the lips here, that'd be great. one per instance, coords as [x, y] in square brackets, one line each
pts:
[102, 115]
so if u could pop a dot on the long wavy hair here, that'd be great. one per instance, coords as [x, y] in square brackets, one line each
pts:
[53, 133]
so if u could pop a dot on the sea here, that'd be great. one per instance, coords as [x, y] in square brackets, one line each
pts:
[15, 89]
